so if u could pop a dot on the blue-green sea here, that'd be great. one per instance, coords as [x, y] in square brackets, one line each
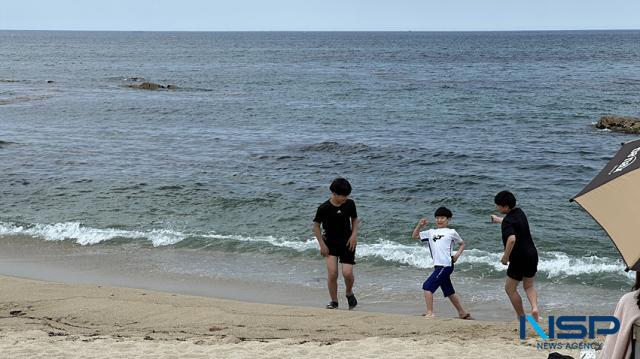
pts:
[234, 162]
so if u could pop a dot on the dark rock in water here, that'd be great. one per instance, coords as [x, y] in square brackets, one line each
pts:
[5, 143]
[152, 86]
[57, 334]
[49, 81]
[147, 86]
[625, 124]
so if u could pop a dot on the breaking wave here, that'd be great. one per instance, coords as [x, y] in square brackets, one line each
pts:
[552, 265]
[87, 235]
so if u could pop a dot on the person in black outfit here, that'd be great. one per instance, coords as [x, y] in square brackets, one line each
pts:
[339, 220]
[520, 253]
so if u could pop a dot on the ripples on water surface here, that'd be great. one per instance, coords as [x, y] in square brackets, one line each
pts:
[239, 157]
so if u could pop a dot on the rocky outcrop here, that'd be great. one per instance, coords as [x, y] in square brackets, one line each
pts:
[625, 124]
[5, 143]
[152, 86]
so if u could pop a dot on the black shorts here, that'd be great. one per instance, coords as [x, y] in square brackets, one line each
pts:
[339, 249]
[523, 267]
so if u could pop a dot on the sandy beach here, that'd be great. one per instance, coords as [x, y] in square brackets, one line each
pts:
[43, 319]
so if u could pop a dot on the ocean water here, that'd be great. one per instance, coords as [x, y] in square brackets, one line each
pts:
[236, 160]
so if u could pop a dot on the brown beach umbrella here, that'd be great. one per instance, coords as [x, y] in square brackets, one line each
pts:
[612, 198]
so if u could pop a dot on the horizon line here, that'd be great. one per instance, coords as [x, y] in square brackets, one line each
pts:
[352, 31]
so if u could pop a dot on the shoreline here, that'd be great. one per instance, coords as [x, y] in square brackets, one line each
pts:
[269, 279]
[71, 319]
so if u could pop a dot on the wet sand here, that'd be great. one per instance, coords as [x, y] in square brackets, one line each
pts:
[270, 279]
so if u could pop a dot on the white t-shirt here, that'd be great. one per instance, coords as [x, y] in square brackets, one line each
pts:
[440, 243]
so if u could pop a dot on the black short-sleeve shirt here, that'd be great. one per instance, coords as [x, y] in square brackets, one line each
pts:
[336, 221]
[516, 223]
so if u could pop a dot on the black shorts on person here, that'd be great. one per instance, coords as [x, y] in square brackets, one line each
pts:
[339, 249]
[522, 267]
[523, 261]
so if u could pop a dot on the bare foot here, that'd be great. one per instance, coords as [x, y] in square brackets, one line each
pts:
[535, 314]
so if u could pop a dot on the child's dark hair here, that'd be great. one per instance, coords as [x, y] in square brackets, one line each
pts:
[443, 212]
[505, 198]
[340, 186]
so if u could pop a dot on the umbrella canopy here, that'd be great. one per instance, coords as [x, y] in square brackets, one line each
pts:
[612, 198]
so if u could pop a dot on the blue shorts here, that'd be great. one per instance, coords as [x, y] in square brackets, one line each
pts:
[440, 279]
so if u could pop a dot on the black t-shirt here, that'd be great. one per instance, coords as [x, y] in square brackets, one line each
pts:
[516, 223]
[336, 221]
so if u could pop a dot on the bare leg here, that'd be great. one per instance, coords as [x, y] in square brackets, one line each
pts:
[530, 289]
[349, 278]
[511, 287]
[428, 299]
[332, 277]
[455, 300]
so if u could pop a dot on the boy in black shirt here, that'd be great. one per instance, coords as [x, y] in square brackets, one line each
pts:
[339, 220]
[519, 252]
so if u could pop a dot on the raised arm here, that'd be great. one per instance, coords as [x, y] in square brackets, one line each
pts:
[416, 231]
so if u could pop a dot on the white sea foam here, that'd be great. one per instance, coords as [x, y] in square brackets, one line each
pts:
[558, 264]
[297, 245]
[552, 264]
[413, 255]
[87, 235]
[164, 237]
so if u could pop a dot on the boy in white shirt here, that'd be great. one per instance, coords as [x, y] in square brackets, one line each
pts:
[440, 242]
